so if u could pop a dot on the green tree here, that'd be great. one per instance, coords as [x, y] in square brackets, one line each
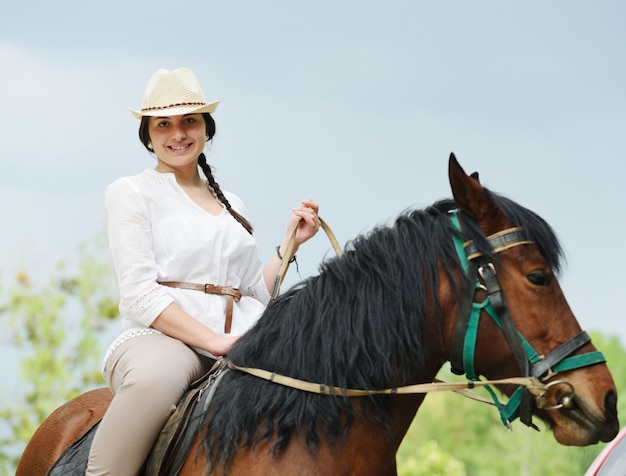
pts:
[54, 328]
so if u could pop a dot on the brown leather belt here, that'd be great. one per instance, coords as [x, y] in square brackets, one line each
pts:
[228, 291]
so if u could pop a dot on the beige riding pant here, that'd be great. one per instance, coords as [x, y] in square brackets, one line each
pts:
[148, 375]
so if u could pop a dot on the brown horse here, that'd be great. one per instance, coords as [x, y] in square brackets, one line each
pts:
[470, 280]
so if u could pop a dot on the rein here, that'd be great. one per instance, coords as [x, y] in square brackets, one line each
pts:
[284, 265]
[533, 384]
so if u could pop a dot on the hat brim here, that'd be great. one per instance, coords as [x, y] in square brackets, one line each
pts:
[176, 111]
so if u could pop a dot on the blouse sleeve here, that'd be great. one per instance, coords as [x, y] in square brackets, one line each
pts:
[258, 291]
[128, 231]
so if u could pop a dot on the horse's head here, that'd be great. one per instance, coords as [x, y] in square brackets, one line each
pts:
[526, 326]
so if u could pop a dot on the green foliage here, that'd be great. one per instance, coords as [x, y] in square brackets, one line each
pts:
[471, 435]
[429, 460]
[54, 329]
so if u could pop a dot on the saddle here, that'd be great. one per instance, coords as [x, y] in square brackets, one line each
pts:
[174, 442]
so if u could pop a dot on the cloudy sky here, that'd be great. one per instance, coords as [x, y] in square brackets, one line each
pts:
[354, 103]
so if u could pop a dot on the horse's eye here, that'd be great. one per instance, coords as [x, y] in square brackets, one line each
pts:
[539, 278]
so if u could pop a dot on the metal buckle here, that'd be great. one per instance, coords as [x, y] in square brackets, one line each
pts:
[481, 269]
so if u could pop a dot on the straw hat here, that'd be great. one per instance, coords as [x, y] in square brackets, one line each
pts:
[171, 93]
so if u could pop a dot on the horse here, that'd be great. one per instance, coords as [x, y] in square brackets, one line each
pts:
[471, 280]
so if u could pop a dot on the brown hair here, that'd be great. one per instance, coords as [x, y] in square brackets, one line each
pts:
[144, 137]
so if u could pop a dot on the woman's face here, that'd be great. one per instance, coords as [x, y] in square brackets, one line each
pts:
[177, 140]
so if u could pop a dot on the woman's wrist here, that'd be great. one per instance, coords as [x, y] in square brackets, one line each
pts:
[280, 254]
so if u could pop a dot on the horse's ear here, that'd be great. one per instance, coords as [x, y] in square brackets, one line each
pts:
[474, 200]
[474, 175]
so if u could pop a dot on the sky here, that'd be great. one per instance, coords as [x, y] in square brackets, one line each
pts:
[357, 104]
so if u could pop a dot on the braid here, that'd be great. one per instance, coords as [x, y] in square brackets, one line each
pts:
[213, 185]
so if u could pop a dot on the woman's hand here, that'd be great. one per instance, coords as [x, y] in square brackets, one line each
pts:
[306, 223]
[220, 345]
[306, 219]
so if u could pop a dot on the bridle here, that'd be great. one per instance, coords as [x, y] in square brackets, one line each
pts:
[535, 369]
[481, 269]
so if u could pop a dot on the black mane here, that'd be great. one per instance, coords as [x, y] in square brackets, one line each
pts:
[358, 324]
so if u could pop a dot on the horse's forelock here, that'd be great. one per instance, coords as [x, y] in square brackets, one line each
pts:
[536, 228]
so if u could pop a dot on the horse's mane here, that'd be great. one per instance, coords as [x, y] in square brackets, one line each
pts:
[359, 323]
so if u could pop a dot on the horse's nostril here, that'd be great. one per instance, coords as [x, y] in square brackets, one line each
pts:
[610, 407]
[610, 427]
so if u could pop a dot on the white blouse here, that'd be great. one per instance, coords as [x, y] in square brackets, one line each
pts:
[157, 233]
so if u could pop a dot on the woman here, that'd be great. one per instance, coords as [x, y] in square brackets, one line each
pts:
[188, 270]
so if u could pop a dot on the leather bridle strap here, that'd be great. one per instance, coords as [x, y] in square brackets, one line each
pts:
[558, 355]
[494, 292]
[503, 240]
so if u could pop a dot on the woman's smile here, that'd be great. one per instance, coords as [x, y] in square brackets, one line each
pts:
[177, 140]
[180, 147]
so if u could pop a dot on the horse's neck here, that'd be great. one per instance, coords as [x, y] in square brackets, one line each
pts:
[404, 407]
[403, 410]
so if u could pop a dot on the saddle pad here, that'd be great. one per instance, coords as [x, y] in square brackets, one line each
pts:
[173, 444]
[73, 461]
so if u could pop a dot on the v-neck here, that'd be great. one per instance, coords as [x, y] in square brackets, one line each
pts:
[172, 178]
